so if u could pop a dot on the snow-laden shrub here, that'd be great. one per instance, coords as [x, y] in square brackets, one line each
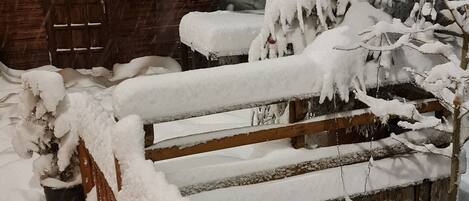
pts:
[40, 102]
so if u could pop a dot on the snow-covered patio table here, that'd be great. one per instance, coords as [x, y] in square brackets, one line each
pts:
[220, 33]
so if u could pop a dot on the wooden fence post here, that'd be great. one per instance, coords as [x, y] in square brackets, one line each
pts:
[149, 134]
[184, 53]
[297, 110]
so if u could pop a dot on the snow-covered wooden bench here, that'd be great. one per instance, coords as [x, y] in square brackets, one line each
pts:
[218, 38]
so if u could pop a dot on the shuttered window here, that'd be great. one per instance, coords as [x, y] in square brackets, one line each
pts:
[77, 33]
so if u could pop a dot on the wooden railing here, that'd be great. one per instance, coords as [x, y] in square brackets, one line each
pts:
[296, 129]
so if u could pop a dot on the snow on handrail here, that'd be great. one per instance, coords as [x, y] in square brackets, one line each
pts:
[321, 70]
[206, 91]
[201, 92]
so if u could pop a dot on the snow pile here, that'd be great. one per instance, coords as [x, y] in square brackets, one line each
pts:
[140, 181]
[149, 65]
[220, 33]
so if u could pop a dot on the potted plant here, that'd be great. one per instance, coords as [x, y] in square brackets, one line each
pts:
[57, 164]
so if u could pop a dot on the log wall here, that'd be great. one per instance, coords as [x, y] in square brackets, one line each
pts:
[136, 28]
[23, 38]
[149, 27]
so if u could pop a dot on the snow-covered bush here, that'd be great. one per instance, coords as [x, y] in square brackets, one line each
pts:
[43, 92]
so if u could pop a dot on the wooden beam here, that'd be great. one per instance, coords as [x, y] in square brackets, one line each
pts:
[289, 131]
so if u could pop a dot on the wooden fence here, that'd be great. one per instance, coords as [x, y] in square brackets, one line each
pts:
[295, 129]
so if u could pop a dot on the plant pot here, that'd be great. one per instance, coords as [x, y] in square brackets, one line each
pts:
[64, 194]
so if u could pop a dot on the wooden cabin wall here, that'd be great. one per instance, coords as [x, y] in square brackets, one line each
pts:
[135, 29]
[23, 38]
[149, 27]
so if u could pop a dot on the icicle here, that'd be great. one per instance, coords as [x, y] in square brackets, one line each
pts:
[320, 14]
[299, 10]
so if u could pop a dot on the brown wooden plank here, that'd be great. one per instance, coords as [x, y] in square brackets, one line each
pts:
[289, 131]
[439, 190]
[93, 177]
[423, 191]
[85, 167]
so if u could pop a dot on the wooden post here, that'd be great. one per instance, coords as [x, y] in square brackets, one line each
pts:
[149, 134]
[297, 112]
[454, 178]
[196, 61]
[184, 57]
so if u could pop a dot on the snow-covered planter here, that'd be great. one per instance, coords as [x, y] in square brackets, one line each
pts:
[56, 167]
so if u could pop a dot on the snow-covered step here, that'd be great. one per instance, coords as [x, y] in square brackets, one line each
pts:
[339, 182]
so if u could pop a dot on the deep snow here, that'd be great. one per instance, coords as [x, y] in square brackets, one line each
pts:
[16, 173]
